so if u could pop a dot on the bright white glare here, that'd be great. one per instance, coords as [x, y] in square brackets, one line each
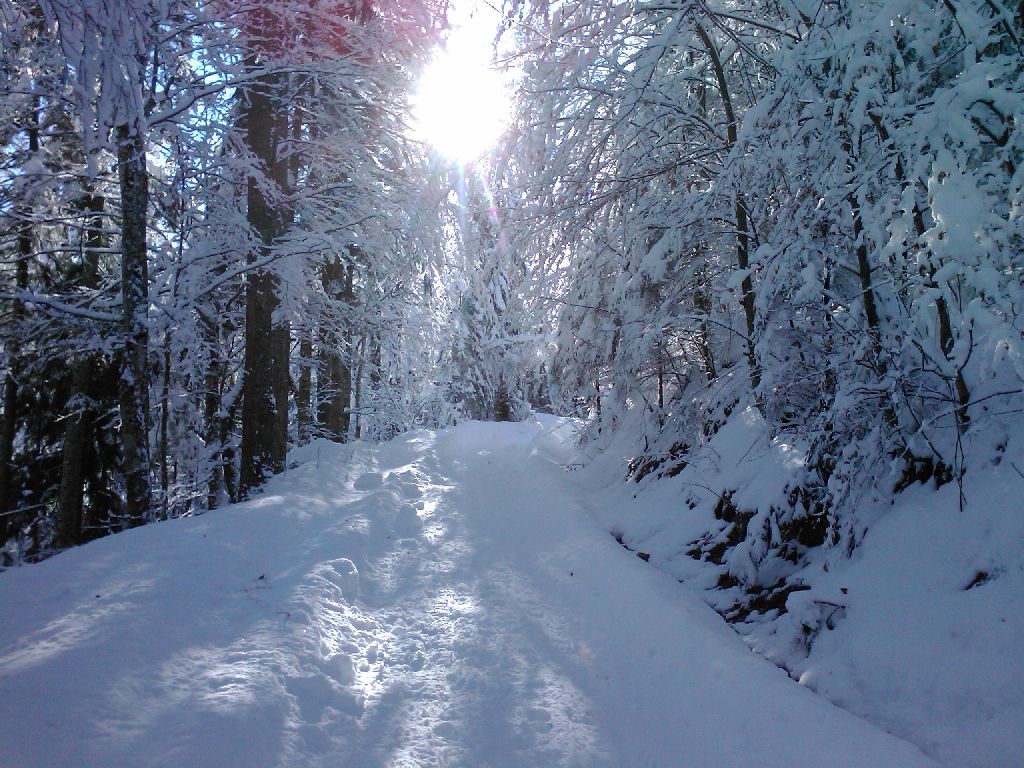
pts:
[461, 104]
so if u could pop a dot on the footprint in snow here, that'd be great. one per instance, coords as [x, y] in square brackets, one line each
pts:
[540, 719]
[315, 693]
[368, 481]
[407, 521]
[343, 574]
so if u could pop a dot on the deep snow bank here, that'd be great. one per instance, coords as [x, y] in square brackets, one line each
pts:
[920, 631]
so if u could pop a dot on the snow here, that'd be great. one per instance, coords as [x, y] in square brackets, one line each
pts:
[927, 616]
[443, 599]
[930, 656]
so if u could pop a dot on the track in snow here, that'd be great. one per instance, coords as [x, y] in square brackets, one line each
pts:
[441, 600]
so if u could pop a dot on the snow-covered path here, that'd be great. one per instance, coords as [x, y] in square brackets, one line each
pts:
[442, 600]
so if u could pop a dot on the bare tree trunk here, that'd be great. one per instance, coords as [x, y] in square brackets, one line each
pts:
[334, 376]
[164, 436]
[357, 386]
[134, 185]
[212, 384]
[661, 387]
[265, 120]
[376, 363]
[7, 429]
[963, 394]
[281, 384]
[864, 273]
[9, 425]
[69, 496]
[502, 404]
[946, 341]
[701, 296]
[304, 393]
[742, 225]
[702, 303]
[232, 479]
[70, 493]
[259, 406]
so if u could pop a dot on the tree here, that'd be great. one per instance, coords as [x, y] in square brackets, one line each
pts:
[175, 181]
[750, 187]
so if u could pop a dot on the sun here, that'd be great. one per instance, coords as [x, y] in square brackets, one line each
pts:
[461, 105]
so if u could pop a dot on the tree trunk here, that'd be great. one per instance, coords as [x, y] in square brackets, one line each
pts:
[946, 342]
[335, 389]
[871, 309]
[376, 362]
[68, 521]
[963, 394]
[281, 338]
[864, 273]
[702, 304]
[265, 120]
[9, 425]
[232, 480]
[68, 511]
[742, 225]
[134, 186]
[212, 383]
[357, 386]
[259, 407]
[334, 377]
[164, 436]
[7, 430]
[304, 393]
[747, 288]
[502, 404]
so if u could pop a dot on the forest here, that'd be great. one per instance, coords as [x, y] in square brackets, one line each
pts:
[220, 238]
[227, 247]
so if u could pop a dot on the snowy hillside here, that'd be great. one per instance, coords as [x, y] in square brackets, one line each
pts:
[447, 598]
[919, 630]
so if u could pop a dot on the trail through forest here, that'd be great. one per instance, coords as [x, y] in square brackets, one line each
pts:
[444, 599]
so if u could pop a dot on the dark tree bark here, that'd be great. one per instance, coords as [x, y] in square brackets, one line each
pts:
[502, 404]
[870, 307]
[304, 391]
[946, 342]
[264, 411]
[9, 425]
[260, 425]
[68, 515]
[742, 225]
[702, 304]
[134, 186]
[213, 404]
[376, 362]
[334, 377]
[281, 384]
[357, 387]
[68, 510]
[7, 429]
[371, 365]
[864, 273]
